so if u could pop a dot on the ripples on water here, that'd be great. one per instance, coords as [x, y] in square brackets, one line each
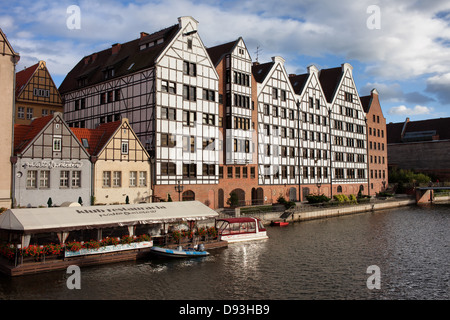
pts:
[321, 259]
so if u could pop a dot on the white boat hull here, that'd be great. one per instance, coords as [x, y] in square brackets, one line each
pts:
[244, 237]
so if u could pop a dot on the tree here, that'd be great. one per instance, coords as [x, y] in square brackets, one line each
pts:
[233, 200]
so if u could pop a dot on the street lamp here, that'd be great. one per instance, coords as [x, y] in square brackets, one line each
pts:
[179, 188]
[319, 184]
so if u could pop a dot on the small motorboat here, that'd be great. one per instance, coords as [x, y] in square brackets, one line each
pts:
[240, 229]
[180, 252]
[279, 223]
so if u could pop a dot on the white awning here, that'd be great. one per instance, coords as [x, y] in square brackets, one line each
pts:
[76, 218]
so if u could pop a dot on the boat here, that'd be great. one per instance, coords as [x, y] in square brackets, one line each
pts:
[180, 252]
[279, 223]
[240, 229]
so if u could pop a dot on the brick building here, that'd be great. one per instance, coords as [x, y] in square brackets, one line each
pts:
[420, 145]
[377, 143]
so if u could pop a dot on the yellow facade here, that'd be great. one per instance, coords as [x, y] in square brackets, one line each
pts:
[36, 94]
[8, 61]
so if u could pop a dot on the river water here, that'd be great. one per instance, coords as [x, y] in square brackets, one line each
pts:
[319, 259]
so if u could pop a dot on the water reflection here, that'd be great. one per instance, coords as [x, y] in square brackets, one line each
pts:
[321, 259]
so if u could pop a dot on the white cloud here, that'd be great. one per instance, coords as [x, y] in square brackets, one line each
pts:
[404, 111]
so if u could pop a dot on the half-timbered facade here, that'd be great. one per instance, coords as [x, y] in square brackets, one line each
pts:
[314, 151]
[278, 140]
[51, 166]
[36, 94]
[348, 131]
[8, 60]
[166, 85]
[121, 165]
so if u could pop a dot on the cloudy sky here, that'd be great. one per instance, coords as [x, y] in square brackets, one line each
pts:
[401, 48]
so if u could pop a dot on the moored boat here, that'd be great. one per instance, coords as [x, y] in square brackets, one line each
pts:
[279, 223]
[180, 252]
[240, 229]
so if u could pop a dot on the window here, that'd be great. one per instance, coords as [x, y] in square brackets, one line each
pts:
[117, 94]
[117, 179]
[339, 173]
[57, 144]
[133, 177]
[124, 147]
[274, 93]
[189, 68]
[209, 119]
[244, 172]
[168, 113]
[29, 113]
[189, 144]
[44, 112]
[208, 144]
[106, 179]
[168, 168]
[142, 178]
[252, 173]
[209, 95]
[189, 170]
[348, 97]
[44, 179]
[168, 140]
[267, 172]
[102, 99]
[229, 172]
[189, 93]
[76, 179]
[266, 110]
[237, 172]
[32, 179]
[64, 179]
[189, 118]
[21, 113]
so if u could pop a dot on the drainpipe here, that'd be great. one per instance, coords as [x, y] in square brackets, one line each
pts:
[15, 59]
[331, 154]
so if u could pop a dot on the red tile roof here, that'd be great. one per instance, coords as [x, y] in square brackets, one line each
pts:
[22, 77]
[25, 134]
[98, 137]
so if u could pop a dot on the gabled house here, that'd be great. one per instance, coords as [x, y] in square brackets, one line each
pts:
[278, 140]
[315, 163]
[8, 60]
[237, 119]
[377, 157]
[36, 94]
[348, 131]
[50, 165]
[165, 84]
[121, 165]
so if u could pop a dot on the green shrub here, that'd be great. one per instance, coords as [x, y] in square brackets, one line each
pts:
[317, 198]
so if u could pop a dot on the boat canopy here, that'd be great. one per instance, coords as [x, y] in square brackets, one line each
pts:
[34, 220]
[238, 220]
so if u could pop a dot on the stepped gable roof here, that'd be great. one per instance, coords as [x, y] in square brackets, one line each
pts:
[217, 53]
[97, 138]
[125, 58]
[23, 77]
[329, 80]
[24, 134]
[260, 71]
[441, 127]
[298, 82]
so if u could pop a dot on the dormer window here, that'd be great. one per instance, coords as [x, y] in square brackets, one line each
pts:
[82, 81]
[108, 73]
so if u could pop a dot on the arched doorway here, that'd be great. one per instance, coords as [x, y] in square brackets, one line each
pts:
[220, 196]
[188, 195]
[240, 196]
[292, 194]
[260, 196]
[306, 192]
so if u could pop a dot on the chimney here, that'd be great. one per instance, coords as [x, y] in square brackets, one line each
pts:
[115, 48]
[313, 69]
[291, 75]
[256, 63]
[144, 34]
